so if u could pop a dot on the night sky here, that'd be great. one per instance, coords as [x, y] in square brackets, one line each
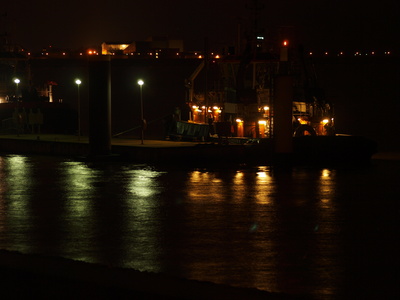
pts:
[317, 24]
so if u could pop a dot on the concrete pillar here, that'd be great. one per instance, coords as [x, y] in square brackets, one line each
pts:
[283, 102]
[99, 106]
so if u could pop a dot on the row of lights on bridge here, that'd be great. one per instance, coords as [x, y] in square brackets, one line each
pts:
[285, 44]
[357, 53]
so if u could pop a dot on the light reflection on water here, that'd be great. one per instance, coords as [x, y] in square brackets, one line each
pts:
[276, 229]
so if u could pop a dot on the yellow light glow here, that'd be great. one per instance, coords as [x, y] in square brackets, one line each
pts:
[239, 120]
[325, 121]
[262, 122]
[325, 173]
[217, 56]
[195, 107]
[266, 107]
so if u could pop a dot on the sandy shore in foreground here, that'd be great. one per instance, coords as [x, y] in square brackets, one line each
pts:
[26, 275]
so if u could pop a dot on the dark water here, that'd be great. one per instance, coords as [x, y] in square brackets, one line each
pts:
[327, 232]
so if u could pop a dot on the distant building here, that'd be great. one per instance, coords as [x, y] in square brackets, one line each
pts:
[108, 48]
[151, 46]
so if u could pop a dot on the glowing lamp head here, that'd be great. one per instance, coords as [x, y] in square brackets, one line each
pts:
[140, 82]
[285, 43]
[16, 80]
[78, 81]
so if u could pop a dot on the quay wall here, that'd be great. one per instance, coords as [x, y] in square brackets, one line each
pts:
[305, 149]
[43, 147]
[138, 153]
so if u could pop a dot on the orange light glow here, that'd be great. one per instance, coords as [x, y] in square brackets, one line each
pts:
[285, 43]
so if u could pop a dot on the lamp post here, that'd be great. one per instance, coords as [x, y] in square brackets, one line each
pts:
[140, 83]
[16, 81]
[78, 82]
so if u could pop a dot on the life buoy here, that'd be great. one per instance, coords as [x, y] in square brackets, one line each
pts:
[302, 129]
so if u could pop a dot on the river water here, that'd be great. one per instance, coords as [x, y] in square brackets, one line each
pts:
[318, 231]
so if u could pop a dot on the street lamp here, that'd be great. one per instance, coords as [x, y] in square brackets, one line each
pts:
[78, 82]
[140, 83]
[16, 81]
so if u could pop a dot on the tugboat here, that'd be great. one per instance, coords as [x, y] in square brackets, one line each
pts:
[270, 104]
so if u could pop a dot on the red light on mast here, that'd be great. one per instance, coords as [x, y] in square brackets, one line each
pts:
[285, 43]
